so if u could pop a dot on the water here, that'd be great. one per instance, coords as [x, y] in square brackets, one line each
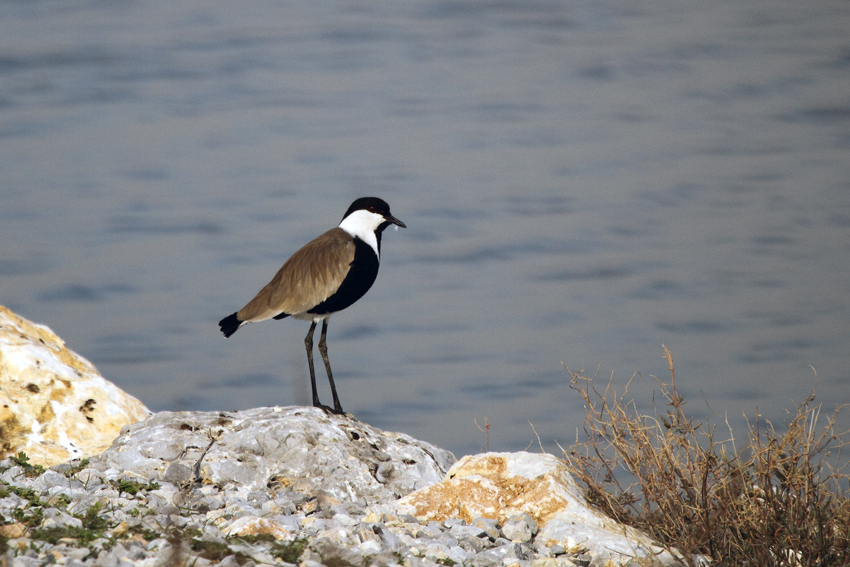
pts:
[583, 182]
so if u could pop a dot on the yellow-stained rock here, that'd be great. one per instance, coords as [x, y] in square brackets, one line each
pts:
[54, 405]
[501, 485]
[494, 485]
[252, 525]
[14, 531]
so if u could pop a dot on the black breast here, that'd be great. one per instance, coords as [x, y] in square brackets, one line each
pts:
[361, 276]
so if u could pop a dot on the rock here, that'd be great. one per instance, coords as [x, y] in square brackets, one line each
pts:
[13, 531]
[208, 523]
[506, 486]
[489, 525]
[497, 486]
[520, 528]
[54, 405]
[252, 525]
[326, 459]
[269, 485]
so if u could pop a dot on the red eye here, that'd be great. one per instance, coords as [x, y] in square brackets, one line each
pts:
[372, 209]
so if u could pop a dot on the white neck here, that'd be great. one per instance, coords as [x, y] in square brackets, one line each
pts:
[362, 224]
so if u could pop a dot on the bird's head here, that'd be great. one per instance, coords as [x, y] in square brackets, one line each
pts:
[369, 214]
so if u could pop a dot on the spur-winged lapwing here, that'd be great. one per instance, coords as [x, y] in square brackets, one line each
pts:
[325, 276]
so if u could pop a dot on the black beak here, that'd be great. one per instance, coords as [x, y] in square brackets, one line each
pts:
[391, 219]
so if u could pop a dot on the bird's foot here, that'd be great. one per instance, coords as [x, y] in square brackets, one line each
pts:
[329, 409]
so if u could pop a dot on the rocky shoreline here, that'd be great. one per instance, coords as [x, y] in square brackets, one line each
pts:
[86, 517]
[297, 486]
[266, 486]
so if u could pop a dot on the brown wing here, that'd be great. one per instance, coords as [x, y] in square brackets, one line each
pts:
[309, 277]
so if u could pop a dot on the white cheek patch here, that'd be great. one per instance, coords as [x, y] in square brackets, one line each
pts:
[362, 224]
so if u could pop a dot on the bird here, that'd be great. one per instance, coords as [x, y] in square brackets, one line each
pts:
[325, 276]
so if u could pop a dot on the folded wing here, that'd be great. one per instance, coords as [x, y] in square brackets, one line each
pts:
[307, 279]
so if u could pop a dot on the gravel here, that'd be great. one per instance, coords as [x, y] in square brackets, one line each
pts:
[75, 515]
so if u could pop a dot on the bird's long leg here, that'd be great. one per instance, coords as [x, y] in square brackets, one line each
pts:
[308, 342]
[323, 348]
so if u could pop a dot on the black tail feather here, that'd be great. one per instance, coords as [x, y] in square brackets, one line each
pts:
[229, 325]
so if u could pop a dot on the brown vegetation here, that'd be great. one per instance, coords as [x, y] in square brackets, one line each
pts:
[780, 499]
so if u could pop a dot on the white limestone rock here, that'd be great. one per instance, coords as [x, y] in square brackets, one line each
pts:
[54, 405]
[504, 486]
[328, 458]
[270, 470]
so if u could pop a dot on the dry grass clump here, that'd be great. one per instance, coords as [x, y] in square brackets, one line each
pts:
[781, 499]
